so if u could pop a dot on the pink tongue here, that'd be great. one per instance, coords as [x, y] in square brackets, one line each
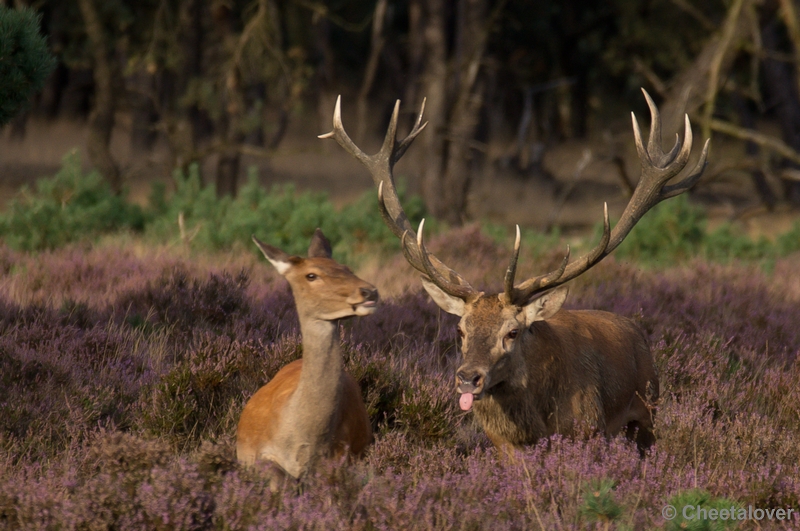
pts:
[465, 401]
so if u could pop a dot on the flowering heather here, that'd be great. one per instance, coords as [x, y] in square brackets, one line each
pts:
[123, 371]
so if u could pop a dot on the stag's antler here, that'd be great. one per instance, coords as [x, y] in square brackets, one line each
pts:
[380, 167]
[657, 169]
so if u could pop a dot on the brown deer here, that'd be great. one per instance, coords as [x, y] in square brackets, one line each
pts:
[530, 370]
[312, 407]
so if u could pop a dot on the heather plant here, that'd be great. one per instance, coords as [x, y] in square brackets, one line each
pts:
[68, 207]
[123, 372]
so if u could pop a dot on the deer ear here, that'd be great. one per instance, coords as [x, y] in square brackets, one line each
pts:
[282, 261]
[320, 246]
[446, 302]
[545, 306]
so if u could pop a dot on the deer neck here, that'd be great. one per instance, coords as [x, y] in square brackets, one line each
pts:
[322, 360]
[314, 404]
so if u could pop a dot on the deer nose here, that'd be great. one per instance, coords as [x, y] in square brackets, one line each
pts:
[470, 381]
[369, 294]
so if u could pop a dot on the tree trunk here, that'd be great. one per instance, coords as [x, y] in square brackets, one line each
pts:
[101, 119]
[434, 77]
[447, 156]
[325, 78]
[465, 114]
[228, 172]
[143, 111]
[371, 69]
[782, 92]
[416, 53]
[689, 90]
[229, 128]
[747, 119]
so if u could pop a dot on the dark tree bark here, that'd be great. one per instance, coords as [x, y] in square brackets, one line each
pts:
[448, 162]
[229, 128]
[371, 69]
[782, 92]
[101, 119]
[143, 110]
[434, 76]
[325, 78]
[689, 90]
[747, 118]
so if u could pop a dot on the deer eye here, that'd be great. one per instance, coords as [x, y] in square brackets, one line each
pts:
[512, 334]
[311, 277]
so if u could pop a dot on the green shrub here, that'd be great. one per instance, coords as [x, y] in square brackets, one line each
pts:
[728, 243]
[599, 504]
[789, 242]
[676, 230]
[25, 61]
[699, 498]
[281, 216]
[65, 208]
[672, 230]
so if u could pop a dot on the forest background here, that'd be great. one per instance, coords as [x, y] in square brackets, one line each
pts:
[136, 317]
[527, 102]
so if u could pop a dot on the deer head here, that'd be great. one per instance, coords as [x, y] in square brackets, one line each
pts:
[323, 288]
[495, 329]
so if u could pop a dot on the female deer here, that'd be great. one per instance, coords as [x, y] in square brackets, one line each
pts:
[312, 407]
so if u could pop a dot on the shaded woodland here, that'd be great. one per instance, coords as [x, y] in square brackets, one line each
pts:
[503, 81]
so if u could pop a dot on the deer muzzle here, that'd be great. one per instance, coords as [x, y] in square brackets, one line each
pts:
[364, 300]
[470, 383]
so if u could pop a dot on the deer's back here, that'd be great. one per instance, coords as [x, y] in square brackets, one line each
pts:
[607, 349]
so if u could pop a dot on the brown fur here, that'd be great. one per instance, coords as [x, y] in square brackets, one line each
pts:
[312, 408]
[262, 414]
[573, 373]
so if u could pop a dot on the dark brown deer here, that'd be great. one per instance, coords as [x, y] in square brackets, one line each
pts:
[530, 370]
[312, 407]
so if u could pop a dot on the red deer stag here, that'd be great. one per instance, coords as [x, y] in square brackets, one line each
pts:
[311, 408]
[530, 371]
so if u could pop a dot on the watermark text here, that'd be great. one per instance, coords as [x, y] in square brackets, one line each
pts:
[698, 512]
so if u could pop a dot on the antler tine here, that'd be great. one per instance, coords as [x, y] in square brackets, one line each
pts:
[654, 142]
[661, 159]
[390, 140]
[565, 273]
[461, 289]
[412, 251]
[417, 129]
[657, 169]
[341, 136]
[680, 187]
[508, 281]
[380, 167]
[652, 188]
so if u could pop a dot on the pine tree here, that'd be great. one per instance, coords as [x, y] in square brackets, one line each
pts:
[25, 61]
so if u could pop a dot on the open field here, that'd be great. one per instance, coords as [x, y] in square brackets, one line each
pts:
[125, 366]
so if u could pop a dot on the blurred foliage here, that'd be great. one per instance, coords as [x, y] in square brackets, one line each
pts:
[73, 206]
[281, 216]
[676, 230]
[699, 498]
[67, 207]
[25, 61]
[599, 504]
